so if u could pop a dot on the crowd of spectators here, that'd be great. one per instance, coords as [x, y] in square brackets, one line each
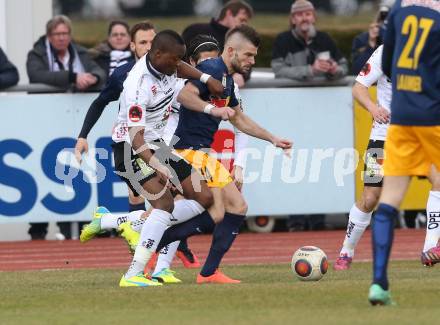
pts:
[301, 53]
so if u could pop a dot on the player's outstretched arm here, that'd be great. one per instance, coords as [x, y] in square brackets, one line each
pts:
[360, 93]
[110, 93]
[189, 97]
[185, 70]
[245, 124]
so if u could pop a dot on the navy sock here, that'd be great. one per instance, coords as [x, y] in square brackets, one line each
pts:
[183, 245]
[222, 239]
[135, 207]
[200, 224]
[383, 233]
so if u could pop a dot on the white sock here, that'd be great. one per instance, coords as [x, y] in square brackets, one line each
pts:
[152, 231]
[166, 256]
[433, 220]
[185, 210]
[137, 225]
[358, 221]
[110, 221]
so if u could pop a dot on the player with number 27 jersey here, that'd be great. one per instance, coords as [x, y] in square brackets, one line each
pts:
[411, 56]
[413, 35]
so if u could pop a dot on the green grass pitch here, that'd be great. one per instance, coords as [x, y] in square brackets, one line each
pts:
[269, 294]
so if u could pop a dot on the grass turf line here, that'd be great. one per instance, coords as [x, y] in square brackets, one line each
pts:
[269, 294]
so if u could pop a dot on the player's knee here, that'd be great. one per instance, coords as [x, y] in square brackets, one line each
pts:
[369, 202]
[243, 207]
[217, 213]
[238, 206]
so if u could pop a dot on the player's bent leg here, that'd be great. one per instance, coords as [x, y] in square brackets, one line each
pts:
[224, 235]
[358, 221]
[431, 252]
[162, 202]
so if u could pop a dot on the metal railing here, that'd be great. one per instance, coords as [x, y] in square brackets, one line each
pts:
[260, 78]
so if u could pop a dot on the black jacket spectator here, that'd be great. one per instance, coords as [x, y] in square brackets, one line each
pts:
[38, 70]
[292, 58]
[213, 28]
[360, 52]
[8, 72]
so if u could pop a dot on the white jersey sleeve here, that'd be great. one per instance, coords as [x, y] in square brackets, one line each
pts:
[372, 70]
[241, 139]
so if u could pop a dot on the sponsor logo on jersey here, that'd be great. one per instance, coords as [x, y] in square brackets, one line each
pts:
[220, 102]
[168, 91]
[135, 113]
[365, 70]
[154, 90]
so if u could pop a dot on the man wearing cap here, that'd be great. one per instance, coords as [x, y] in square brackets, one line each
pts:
[303, 53]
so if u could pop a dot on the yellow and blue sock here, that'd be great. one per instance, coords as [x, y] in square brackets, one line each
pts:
[383, 233]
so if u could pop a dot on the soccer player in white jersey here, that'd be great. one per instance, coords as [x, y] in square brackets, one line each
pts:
[203, 47]
[361, 211]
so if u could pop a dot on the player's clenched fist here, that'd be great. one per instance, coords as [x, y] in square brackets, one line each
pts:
[225, 113]
[284, 144]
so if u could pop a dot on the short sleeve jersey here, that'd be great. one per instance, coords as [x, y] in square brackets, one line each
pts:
[196, 130]
[145, 101]
[371, 74]
[413, 32]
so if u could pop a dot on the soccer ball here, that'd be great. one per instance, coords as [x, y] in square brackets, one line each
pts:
[309, 263]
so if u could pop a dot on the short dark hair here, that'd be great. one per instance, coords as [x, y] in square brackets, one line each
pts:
[235, 6]
[247, 32]
[167, 40]
[117, 22]
[201, 43]
[144, 25]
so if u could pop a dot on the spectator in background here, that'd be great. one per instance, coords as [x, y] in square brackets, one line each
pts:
[115, 51]
[232, 14]
[366, 43]
[56, 60]
[8, 72]
[302, 52]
